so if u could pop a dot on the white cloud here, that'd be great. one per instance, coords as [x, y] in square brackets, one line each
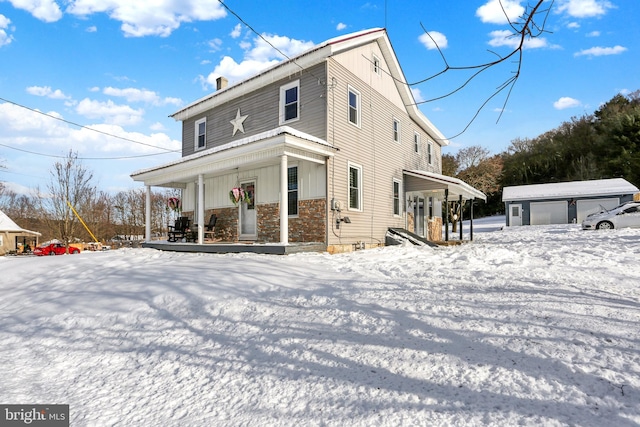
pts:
[566, 102]
[258, 56]
[601, 51]
[47, 91]
[417, 95]
[150, 17]
[584, 8]
[215, 45]
[44, 10]
[500, 11]
[141, 95]
[236, 32]
[110, 112]
[594, 34]
[573, 25]
[436, 37]
[507, 38]
[341, 26]
[5, 38]
[92, 29]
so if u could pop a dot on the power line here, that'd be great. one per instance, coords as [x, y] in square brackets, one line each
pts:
[80, 158]
[87, 127]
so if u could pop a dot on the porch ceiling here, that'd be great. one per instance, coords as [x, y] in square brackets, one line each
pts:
[416, 180]
[250, 152]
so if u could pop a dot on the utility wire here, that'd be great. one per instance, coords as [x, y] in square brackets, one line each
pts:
[89, 128]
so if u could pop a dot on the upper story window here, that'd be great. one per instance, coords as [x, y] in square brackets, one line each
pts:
[430, 153]
[354, 106]
[292, 188]
[376, 64]
[396, 130]
[200, 134]
[355, 187]
[416, 142]
[290, 102]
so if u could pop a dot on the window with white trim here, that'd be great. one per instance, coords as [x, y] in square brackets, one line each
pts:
[416, 142]
[430, 153]
[292, 190]
[290, 102]
[200, 134]
[354, 106]
[396, 130]
[396, 196]
[355, 187]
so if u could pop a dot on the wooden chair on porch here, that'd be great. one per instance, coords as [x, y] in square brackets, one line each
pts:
[210, 228]
[179, 229]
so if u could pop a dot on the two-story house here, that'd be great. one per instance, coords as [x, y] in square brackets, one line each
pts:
[329, 147]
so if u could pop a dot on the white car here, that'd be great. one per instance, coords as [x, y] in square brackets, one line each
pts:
[625, 215]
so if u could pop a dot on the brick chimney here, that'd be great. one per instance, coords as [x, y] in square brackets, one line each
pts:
[221, 83]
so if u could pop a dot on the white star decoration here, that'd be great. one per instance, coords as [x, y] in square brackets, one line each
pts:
[237, 123]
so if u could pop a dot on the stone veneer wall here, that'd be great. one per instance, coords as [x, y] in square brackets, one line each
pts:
[308, 226]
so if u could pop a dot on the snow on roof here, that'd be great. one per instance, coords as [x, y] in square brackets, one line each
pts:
[242, 141]
[7, 224]
[560, 190]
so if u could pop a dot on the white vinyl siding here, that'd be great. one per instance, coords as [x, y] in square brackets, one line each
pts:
[201, 134]
[354, 107]
[355, 187]
[290, 102]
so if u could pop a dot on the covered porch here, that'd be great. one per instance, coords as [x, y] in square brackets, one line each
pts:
[214, 168]
[446, 188]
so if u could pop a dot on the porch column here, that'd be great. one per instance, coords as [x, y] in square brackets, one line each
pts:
[147, 215]
[460, 217]
[200, 217]
[284, 197]
[471, 220]
[446, 214]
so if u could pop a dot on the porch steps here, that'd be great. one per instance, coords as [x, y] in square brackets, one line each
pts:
[396, 236]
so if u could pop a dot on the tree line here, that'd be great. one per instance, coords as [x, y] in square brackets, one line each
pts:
[605, 144]
[112, 218]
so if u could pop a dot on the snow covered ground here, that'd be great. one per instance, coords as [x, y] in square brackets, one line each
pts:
[525, 326]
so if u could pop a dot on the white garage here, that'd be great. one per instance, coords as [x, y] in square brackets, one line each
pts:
[543, 213]
[564, 202]
[589, 206]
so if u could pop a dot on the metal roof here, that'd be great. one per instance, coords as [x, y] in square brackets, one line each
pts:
[562, 190]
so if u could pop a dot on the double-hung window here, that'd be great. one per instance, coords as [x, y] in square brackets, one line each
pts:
[430, 153]
[290, 102]
[354, 106]
[416, 142]
[396, 196]
[396, 130]
[292, 187]
[201, 134]
[355, 187]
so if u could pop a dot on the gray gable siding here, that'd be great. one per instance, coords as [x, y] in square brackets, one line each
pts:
[262, 108]
[372, 147]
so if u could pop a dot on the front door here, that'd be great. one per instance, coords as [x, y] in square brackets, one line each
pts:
[248, 223]
[515, 215]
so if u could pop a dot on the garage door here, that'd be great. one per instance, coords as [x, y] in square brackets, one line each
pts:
[543, 213]
[586, 207]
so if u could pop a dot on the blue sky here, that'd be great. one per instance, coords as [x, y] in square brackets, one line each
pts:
[122, 67]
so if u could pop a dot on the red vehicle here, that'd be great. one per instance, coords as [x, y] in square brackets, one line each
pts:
[54, 249]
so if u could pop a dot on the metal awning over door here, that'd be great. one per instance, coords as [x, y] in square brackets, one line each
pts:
[416, 180]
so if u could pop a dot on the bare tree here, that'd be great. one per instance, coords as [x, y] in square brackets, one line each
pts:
[528, 26]
[70, 186]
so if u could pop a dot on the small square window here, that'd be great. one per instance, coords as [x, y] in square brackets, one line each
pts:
[376, 64]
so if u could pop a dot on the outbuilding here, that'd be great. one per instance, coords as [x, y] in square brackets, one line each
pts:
[563, 202]
[13, 238]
